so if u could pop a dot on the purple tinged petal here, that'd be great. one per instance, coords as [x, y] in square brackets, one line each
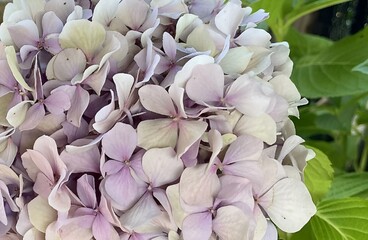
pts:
[79, 104]
[97, 80]
[271, 232]
[197, 226]
[34, 162]
[120, 142]
[51, 24]
[123, 189]
[103, 230]
[57, 102]
[169, 46]
[43, 185]
[52, 44]
[24, 33]
[177, 95]
[162, 166]
[8, 176]
[216, 143]
[189, 133]
[248, 96]
[73, 133]
[133, 19]
[28, 52]
[206, 85]
[47, 147]
[244, 148]
[86, 191]
[33, 117]
[231, 223]
[290, 143]
[156, 99]
[86, 160]
[142, 212]
[112, 167]
[59, 197]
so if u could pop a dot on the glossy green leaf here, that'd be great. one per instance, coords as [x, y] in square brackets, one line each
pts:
[318, 175]
[329, 73]
[348, 185]
[343, 219]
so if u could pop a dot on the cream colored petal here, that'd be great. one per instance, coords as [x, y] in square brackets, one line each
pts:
[236, 60]
[14, 67]
[17, 114]
[262, 127]
[41, 214]
[83, 34]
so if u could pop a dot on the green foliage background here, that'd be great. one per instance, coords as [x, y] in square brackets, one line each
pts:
[333, 75]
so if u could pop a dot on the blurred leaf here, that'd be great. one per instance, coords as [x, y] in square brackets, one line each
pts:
[342, 219]
[302, 44]
[309, 7]
[348, 185]
[329, 72]
[285, 12]
[318, 175]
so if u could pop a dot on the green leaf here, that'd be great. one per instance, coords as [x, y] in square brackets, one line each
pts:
[348, 185]
[302, 44]
[342, 219]
[318, 175]
[329, 72]
[306, 233]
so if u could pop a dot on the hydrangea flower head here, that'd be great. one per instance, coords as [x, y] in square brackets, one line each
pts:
[156, 119]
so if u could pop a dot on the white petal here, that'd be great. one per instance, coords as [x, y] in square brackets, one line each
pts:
[229, 18]
[124, 83]
[231, 223]
[162, 166]
[289, 205]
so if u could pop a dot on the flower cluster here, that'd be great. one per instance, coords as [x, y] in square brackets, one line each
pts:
[147, 119]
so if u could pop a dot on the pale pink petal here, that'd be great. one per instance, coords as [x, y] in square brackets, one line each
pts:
[34, 162]
[47, 147]
[231, 223]
[206, 84]
[59, 197]
[162, 166]
[86, 191]
[156, 99]
[198, 226]
[120, 142]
